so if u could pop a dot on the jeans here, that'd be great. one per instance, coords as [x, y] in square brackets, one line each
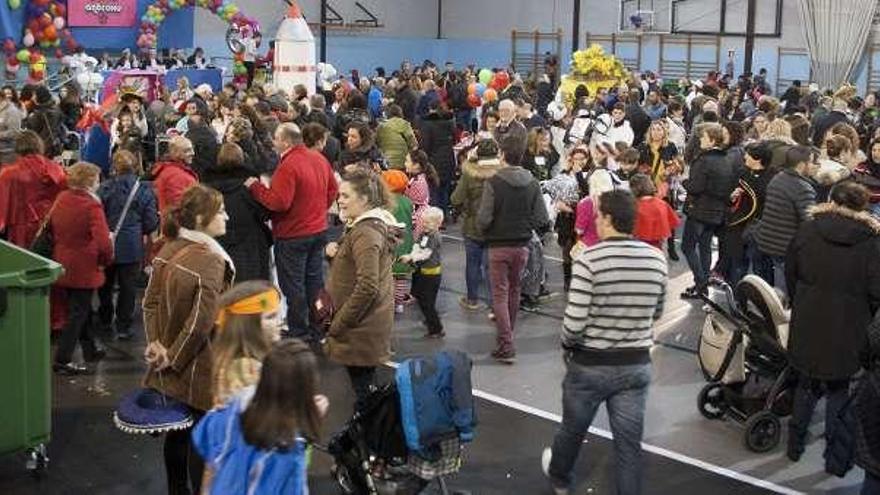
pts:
[126, 276]
[183, 465]
[300, 264]
[696, 244]
[778, 263]
[425, 289]
[476, 269]
[624, 390]
[871, 486]
[505, 269]
[806, 395]
[79, 321]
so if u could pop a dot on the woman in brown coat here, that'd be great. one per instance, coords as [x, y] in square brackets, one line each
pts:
[360, 282]
[180, 307]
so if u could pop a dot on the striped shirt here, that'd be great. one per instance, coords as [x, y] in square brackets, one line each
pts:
[617, 290]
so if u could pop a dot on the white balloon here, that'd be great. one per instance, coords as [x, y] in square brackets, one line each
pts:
[59, 23]
[28, 40]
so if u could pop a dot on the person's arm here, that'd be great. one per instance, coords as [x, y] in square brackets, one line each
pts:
[577, 312]
[458, 195]
[486, 211]
[804, 201]
[199, 324]
[368, 250]
[410, 137]
[279, 195]
[100, 232]
[149, 211]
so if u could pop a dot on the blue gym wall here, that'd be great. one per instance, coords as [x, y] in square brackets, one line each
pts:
[176, 31]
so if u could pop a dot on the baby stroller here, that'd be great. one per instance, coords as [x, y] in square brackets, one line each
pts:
[742, 353]
[374, 453]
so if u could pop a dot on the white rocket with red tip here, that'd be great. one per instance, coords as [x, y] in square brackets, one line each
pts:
[294, 52]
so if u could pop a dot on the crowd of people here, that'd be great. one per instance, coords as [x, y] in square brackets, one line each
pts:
[258, 185]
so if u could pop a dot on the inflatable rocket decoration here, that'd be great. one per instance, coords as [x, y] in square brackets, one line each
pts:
[294, 52]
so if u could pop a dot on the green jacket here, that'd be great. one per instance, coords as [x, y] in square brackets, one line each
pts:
[403, 213]
[469, 191]
[395, 138]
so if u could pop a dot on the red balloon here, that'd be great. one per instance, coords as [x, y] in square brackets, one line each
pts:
[474, 101]
[35, 57]
[60, 9]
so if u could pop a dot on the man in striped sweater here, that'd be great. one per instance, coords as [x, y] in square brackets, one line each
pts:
[617, 292]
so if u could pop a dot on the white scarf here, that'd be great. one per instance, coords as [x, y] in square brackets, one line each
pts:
[210, 242]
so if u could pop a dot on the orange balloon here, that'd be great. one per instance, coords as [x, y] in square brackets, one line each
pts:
[472, 88]
[490, 95]
[50, 33]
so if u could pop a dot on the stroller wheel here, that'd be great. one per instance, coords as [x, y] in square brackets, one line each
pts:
[763, 431]
[343, 477]
[710, 402]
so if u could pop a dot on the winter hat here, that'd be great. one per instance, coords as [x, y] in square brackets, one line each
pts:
[396, 180]
[43, 96]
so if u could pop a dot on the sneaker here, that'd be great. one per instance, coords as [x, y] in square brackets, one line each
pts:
[529, 304]
[468, 304]
[491, 316]
[506, 357]
[546, 456]
[69, 369]
[435, 335]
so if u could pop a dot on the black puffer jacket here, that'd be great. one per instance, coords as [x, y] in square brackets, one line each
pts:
[712, 180]
[205, 145]
[438, 140]
[833, 276]
[248, 238]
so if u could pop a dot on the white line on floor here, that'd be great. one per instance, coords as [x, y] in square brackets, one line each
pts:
[649, 448]
[675, 456]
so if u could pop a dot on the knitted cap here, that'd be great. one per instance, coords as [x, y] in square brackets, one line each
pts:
[396, 180]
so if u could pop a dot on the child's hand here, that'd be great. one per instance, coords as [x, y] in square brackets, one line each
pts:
[323, 404]
[331, 249]
[406, 259]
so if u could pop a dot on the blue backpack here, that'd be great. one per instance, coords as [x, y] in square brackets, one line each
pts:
[436, 399]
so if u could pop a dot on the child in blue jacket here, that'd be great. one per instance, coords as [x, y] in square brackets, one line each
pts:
[256, 443]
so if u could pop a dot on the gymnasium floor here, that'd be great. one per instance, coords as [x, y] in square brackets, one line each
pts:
[518, 408]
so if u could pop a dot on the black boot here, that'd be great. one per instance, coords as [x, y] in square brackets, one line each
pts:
[566, 275]
[670, 248]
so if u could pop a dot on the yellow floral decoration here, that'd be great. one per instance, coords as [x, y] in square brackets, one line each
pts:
[593, 68]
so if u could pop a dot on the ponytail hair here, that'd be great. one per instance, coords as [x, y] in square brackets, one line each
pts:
[198, 201]
[420, 158]
[371, 186]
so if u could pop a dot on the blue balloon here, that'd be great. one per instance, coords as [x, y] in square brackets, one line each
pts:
[480, 89]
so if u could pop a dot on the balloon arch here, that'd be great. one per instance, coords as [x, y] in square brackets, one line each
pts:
[239, 24]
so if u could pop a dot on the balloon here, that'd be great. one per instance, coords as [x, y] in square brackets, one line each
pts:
[59, 54]
[59, 23]
[34, 58]
[490, 95]
[14, 4]
[485, 76]
[474, 101]
[9, 45]
[481, 88]
[46, 19]
[472, 89]
[23, 55]
[502, 80]
[28, 39]
[50, 33]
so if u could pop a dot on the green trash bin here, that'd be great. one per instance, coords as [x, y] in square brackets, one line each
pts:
[25, 370]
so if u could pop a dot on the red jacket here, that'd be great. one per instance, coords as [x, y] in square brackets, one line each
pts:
[82, 240]
[170, 181]
[28, 188]
[302, 190]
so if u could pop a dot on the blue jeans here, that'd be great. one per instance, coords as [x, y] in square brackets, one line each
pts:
[871, 486]
[476, 269]
[300, 263]
[624, 390]
[696, 244]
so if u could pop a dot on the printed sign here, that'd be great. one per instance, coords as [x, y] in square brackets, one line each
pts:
[101, 13]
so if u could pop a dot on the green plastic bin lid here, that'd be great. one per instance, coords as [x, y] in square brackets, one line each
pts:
[22, 268]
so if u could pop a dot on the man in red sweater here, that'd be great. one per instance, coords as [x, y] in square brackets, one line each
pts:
[300, 194]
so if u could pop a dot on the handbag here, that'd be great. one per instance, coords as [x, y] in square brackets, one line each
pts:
[44, 242]
[323, 310]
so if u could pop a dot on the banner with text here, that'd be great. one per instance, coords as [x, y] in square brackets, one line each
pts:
[101, 13]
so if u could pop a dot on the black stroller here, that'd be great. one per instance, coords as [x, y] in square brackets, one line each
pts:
[371, 456]
[742, 354]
